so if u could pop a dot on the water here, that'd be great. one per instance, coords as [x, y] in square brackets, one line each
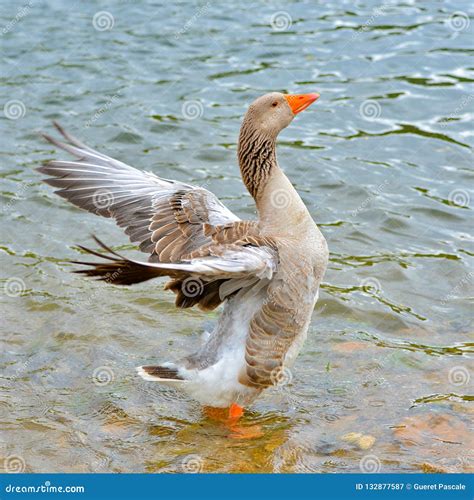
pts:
[383, 161]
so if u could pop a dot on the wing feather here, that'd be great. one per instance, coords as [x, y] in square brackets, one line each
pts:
[186, 230]
[221, 262]
[165, 218]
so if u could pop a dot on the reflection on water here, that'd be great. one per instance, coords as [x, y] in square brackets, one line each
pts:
[384, 163]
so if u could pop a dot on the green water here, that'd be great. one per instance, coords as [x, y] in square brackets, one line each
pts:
[383, 161]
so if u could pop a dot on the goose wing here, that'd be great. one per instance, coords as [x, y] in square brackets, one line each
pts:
[205, 277]
[166, 218]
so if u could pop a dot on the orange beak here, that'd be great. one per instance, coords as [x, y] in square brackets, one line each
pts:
[299, 102]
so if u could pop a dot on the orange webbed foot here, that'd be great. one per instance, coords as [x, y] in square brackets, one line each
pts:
[235, 412]
[230, 418]
[226, 415]
[238, 431]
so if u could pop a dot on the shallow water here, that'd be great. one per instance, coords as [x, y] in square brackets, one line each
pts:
[384, 163]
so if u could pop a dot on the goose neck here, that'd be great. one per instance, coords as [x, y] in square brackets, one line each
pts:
[257, 158]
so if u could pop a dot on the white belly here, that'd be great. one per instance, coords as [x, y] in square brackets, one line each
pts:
[218, 385]
[223, 355]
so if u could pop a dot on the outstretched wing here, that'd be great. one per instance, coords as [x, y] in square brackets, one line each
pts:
[166, 218]
[207, 278]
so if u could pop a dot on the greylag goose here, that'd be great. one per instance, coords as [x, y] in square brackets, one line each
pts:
[266, 272]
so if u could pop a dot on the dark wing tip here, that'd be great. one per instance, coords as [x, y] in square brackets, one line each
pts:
[58, 127]
[162, 372]
[49, 138]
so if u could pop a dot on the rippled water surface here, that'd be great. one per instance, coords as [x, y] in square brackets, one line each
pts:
[383, 161]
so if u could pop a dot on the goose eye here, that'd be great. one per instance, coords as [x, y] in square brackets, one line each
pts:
[274, 104]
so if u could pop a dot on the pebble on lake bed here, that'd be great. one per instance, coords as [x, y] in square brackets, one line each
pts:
[426, 429]
[350, 346]
[363, 441]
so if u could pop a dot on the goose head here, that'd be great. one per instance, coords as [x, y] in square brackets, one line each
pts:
[266, 117]
[271, 113]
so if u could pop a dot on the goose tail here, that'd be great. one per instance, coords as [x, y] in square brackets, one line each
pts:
[159, 373]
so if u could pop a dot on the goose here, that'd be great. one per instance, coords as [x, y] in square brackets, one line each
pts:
[266, 272]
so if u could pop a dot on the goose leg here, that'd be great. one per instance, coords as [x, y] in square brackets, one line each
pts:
[230, 418]
[235, 412]
[238, 431]
[227, 415]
